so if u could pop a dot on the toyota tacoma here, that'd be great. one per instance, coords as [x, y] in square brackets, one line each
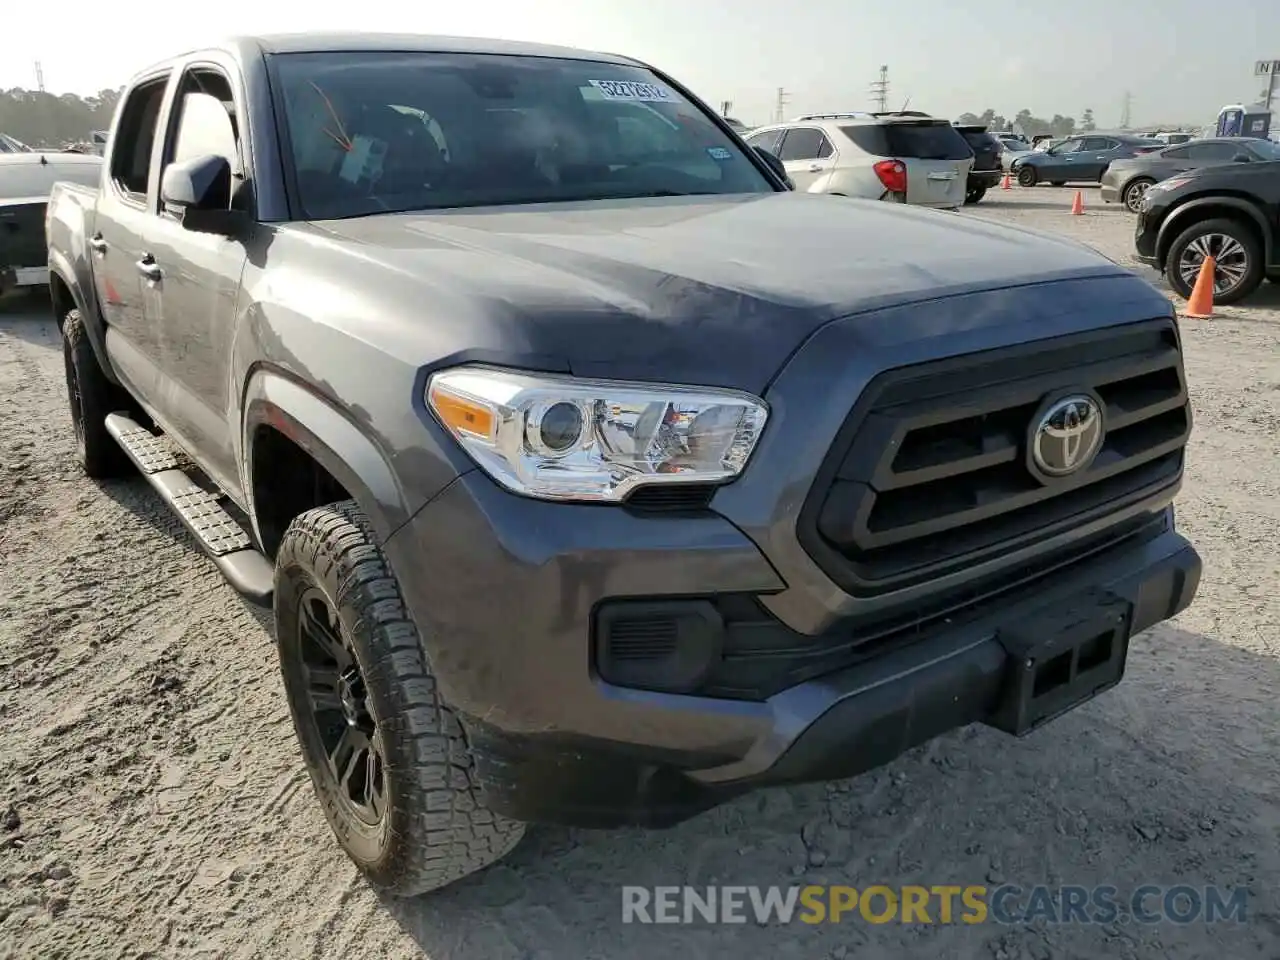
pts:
[594, 476]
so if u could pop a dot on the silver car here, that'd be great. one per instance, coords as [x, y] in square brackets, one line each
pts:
[901, 158]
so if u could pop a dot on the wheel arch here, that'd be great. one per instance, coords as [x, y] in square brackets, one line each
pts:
[1213, 208]
[278, 408]
[66, 294]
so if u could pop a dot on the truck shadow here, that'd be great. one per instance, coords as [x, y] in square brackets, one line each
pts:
[1171, 778]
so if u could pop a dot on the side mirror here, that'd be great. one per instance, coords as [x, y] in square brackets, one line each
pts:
[775, 165]
[1242, 158]
[198, 192]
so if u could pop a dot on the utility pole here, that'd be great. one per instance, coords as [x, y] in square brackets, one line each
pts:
[880, 90]
[1271, 70]
[1126, 111]
[780, 107]
[39, 77]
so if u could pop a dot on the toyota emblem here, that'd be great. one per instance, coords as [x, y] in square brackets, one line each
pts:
[1067, 436]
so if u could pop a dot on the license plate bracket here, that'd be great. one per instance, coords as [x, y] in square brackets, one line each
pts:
[1060, 661]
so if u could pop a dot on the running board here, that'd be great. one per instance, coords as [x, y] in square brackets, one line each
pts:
[225, 540]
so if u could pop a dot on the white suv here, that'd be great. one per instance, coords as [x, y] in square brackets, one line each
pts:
[899, 157]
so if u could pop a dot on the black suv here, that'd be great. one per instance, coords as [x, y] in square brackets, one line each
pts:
[986, 170]
[1229, 212]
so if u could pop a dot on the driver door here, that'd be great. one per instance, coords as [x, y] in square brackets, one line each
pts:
[191, 296]
[1062, 160]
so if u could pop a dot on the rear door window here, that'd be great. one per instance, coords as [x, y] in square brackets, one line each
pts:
[1211, 152]
[767, 139]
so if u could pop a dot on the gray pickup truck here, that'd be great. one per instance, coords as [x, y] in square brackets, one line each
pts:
[594, 476]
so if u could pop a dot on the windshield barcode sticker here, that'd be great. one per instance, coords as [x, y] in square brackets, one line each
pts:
[633, 90]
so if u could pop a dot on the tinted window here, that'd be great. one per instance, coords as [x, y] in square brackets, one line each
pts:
[517, 129]
[918, 141]
[980, 141]
[1179, 154]
[805, 143]
[767, 139]
[131, 157]
[1266, 149]
[1209, 152]
[1097, 143]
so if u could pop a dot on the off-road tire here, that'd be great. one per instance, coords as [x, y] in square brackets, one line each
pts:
[91, 396]
[1252, 278]
[1027, 177]
[974, 195]
[435, 828]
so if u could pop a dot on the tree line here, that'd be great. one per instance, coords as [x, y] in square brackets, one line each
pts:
[49, 120]
[1030, 125]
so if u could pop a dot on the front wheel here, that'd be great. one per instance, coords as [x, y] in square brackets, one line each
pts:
[1027, 176]
[1134, 192]
[975, 194]
[388, 758]
[1236, 253]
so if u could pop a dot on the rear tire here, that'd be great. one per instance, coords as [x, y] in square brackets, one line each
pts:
[1241, 259]
[1027, 176]
[91, 397]
[975, 195]
[405, 808]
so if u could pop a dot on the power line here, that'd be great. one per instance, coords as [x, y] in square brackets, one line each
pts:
[880, 90]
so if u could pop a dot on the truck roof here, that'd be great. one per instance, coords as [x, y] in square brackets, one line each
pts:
[357, 42]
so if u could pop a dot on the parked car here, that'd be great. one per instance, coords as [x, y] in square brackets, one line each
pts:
[1230, 212]
[602, 487]
[914, 159]
[1011, 150]
[26, 179]
[1128, 180]
[986, 170]
[1077, 159]
[1174, 138]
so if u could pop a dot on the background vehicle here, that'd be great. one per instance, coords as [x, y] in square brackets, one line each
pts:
[1011, 150]
[1083, 158]
[913, 159]
[10, 145]
[518, 447]
[26, 180]
[1173, 139]
[986, 169]
[1127, 180]
[1230, 212]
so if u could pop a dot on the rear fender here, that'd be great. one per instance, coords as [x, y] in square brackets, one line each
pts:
[329, 436]
[1205, 208]
[62, 271]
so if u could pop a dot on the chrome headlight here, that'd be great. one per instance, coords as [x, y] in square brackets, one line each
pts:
[565, 438]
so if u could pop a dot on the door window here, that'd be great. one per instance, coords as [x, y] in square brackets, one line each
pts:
[767, 139]
[1212, 152]
[1068, 146]
[1097, 143]
[805, 143]
[131, 156]
[204, 124]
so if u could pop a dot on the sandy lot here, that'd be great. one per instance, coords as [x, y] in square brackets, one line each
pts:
[154, 803]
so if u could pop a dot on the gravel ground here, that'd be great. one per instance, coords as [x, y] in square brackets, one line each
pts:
[155, 805]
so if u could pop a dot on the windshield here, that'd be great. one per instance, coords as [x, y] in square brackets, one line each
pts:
[387, 132]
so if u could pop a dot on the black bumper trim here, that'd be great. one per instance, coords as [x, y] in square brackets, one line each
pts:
[832, 727]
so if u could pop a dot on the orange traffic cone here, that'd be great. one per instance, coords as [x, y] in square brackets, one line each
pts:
[1077, 205]
[1006, 183]
[1200, 306]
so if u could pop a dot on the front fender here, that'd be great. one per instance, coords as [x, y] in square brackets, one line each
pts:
[329, 436]
[1181, 217]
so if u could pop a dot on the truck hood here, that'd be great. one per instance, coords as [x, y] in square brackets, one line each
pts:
[714, 290]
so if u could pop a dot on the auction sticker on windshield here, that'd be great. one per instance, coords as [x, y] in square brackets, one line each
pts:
[633, 90]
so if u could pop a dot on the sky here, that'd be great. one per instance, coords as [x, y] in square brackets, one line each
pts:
[947, 56]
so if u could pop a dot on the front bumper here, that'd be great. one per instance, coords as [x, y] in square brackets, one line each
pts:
[1109, 192]
[1146, 235]
[656, 759]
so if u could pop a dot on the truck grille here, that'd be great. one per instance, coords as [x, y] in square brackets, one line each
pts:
[931, 473]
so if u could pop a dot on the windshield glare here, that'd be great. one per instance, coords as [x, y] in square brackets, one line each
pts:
[388, 132]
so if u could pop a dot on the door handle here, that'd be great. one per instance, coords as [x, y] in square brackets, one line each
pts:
[97, 244]
[815, 168]
[148, 267]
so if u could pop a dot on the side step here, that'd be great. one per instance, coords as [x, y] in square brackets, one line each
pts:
[216, 530]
